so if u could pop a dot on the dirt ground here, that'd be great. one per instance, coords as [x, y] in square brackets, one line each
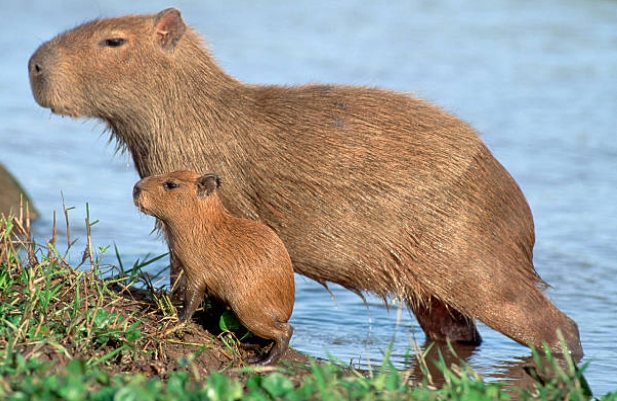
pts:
[213, 350]
[165, 345]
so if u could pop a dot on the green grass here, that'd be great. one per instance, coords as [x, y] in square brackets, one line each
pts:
[66, 333]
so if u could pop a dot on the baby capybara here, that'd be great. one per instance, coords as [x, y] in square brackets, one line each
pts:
[372, 189]
[240, 262]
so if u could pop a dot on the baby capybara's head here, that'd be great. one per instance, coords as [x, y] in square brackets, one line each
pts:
[174, 195]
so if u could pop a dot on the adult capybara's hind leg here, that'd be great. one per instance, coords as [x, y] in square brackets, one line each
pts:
[531, 319]
[441, 322]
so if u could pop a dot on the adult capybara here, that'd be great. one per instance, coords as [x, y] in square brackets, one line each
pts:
[241, 262]
[372, 189]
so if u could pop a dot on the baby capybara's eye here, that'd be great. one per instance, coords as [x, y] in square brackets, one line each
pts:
[113, 42]
[170, 185]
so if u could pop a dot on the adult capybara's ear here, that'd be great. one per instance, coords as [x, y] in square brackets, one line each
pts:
[169, 28]
[207, 183]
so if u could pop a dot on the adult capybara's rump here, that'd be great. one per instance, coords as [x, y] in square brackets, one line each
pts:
[240, 262]
[372, 189]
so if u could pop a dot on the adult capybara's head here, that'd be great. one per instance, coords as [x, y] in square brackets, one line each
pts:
[90, 70]
[174, 195]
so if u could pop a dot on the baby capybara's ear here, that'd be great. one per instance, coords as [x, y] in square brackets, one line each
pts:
[169, 28]
[207, 183]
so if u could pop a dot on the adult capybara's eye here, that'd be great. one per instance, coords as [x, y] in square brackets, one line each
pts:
[113, 42]
[170, 185]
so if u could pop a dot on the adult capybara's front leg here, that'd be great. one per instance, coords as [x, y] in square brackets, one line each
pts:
[177, 279]
[193, 297]
[441, 322]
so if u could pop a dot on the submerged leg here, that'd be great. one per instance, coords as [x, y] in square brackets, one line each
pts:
[441, 322]
[530, 318]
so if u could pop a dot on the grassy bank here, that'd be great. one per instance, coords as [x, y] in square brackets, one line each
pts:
[92, 332]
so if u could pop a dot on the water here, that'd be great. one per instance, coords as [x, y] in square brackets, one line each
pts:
[537, 79]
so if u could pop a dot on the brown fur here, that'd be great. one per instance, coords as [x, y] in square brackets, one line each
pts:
[371, 189]
[238, 261]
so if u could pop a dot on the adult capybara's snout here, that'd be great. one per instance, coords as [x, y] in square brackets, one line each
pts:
[39, 67]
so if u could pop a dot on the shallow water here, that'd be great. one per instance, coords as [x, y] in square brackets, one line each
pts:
[537, 79]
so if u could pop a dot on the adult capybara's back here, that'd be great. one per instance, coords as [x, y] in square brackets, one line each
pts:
[372, 189]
